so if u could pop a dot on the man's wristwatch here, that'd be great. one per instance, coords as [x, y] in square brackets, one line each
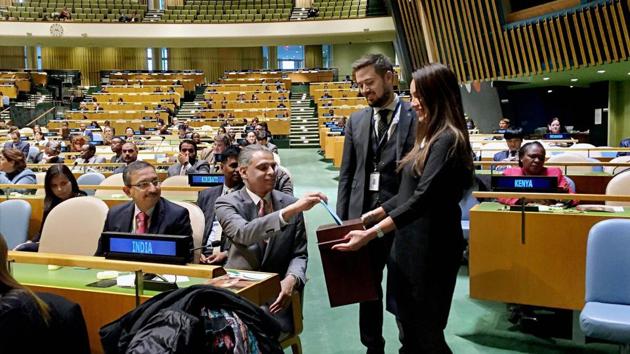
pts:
[379, 232]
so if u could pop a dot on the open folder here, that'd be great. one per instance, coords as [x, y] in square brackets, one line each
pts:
[350, 276]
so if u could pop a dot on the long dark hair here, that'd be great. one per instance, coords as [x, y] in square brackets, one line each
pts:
[8, 283]
[438, 90]
[50, 200]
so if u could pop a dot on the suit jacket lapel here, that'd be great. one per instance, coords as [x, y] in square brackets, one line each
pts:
[363, 133]
[127, 219]
[156, 216]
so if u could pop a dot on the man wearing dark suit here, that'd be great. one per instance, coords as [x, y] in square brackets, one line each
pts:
[116, 146]
[376, 138]
[513, 139]
[17, 143]
[148, 212]
[206, 201]
[187, 161]
[266, 228]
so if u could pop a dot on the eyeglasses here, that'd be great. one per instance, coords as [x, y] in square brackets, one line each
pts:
[146, 184]
[188, 150]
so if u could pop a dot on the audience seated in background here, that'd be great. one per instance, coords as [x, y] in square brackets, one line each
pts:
[513, 139]
[221, 142]
[116, 146]
[129, 134]
[65, 15]
[86, 132]
[37, 323]
[88, 156]
[17, 142]
[531, 162]
[187, 161]
[77, 142]
[196, 138]
[129, 155]
[262, 139]
[64, 131]
[51, 153]
[250, 138]
[555, 127]
[59, 185]
[504, 124]
[148, 212]
[39, 139]
[108, 135]
[206, 200]
[266, 228]
[13, 170]
[162, 129]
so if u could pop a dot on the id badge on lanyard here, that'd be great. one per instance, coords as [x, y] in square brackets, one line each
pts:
[375, 177]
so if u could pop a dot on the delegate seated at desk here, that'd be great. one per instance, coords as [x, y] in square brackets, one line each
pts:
[266, 228]
[129, 155]
[513, 139]
[13, 170]
[531, 161]
[148, 212]
[187, 162]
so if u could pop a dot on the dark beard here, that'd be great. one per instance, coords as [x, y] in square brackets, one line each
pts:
[381, 101]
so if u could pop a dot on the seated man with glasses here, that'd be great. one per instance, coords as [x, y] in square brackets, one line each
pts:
[187, 161]
[148, 212]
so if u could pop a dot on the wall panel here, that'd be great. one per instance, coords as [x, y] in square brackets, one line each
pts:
[469, 36]
[215, 61]
[90, 61]
[12, 57]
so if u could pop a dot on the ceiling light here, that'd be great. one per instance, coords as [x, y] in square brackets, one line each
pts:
[628, 73]
[549, 91]
[571, 86]
[545, 78]
[601, 71]
[574, 80]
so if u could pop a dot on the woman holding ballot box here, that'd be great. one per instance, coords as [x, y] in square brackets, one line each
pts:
[428, 244]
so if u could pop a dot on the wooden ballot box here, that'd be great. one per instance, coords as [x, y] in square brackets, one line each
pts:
[350, 276]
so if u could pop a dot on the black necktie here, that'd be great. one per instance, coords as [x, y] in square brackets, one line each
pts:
[382, 123]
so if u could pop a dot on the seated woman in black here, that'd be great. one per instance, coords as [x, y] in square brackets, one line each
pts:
[32, 323]
[60, 185]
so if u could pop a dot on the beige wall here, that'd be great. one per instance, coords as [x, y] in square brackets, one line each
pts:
[90, 61]
[344, 55]
[214, 61]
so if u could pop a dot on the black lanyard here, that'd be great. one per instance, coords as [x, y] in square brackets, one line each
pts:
[382, 140]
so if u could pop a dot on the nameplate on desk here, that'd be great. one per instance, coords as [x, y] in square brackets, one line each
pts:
[172, 249]
[206, 180]
[544, 184]
[336, 130]
[562, 136]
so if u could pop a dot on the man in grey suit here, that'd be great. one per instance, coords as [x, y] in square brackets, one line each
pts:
[17, 143]
[88, 156]
[266, 227]
[376, 138]
[187, 161]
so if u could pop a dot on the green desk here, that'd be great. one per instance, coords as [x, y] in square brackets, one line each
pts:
[101, 306]
[545, 266]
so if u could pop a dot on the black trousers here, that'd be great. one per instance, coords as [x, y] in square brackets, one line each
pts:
[371, 312]
[423, 306]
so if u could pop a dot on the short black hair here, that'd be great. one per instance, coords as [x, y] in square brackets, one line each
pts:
[91, 147]
[513, 134]
[188, 141]
[523, 150]
[232, 151]
[262, 135]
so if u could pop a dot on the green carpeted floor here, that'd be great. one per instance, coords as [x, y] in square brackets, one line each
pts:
[474, 326]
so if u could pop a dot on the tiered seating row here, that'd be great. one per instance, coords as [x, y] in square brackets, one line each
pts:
[229, 11]
[80, 10]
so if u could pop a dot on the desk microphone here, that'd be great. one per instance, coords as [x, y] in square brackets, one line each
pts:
[160, 144]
